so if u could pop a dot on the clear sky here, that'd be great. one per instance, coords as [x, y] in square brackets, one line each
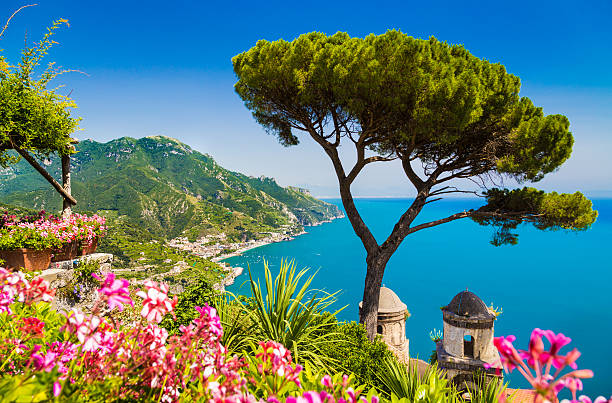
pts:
[164, 67]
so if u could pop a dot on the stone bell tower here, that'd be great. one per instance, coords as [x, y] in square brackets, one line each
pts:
[392, 314]
[467, 344]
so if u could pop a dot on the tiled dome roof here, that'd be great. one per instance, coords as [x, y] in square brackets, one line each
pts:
[388, 302]
[467, 304]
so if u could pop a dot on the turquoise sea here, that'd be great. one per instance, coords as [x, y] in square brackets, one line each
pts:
[554, 280]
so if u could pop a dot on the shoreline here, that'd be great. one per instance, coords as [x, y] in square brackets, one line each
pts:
[235, 271]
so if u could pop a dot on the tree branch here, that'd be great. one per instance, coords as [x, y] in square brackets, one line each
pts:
[60, 189]
[359, 226]
[412, 176]
[523, 215]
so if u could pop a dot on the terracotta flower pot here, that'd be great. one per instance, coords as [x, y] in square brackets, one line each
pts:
[88, 249]
[67, 252]
[26, 259]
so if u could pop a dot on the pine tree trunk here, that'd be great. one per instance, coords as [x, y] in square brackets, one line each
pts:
[368, 314]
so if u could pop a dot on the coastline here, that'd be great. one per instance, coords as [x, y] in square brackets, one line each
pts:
[234, 272]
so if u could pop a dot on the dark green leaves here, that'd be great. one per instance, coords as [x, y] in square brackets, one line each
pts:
[508, 208]
[407, 97]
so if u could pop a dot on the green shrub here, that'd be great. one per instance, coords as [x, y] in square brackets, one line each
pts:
[353, 353]
[197, 294]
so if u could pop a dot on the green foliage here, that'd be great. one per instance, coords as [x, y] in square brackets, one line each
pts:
[18, 237]
[352, 353]
[291, 314]
[85, 268]
[33, 117]
[436, 335]
[197, 294]
[550, 210]
[235, 320]
[407, 386]
[403, 96]
[28, 388]
[506, 209]
[487, 390]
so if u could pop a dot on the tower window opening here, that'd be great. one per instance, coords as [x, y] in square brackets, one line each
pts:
[468, 346]
[379, 329]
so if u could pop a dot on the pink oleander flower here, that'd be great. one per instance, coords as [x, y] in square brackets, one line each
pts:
[14, 287]
[156, 303]
[57, 388]
[85, 328]
[307, 397]
[42, 362]
[154, 337]
[39, 291]
[540, 361]
[510, 357]
[114, 292]
[276, 360]
[208, 320]
[332, 394]
[65, 352]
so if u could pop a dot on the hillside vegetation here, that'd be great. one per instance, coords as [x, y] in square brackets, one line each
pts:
[169, 189]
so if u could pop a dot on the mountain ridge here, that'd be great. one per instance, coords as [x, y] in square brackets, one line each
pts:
[169, 188]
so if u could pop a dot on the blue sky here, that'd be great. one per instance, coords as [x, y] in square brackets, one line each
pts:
[161, 67]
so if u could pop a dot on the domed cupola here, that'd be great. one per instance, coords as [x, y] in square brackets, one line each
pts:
[391, 323]
[467, 343]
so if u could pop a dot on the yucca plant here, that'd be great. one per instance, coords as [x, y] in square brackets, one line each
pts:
[407, 386]
[289, 313]
[487, 390]
[234, 319]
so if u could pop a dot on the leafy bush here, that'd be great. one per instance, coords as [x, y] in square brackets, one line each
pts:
[487, 390]
[352, 352]
[198, 294]
[83, 283]
[34, 118]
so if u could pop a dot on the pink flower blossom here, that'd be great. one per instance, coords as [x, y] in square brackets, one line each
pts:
[540, 362]
[114, 292]
[276, 360]
[57, 388]
[156, 303]
[85, 328]
[307, 397]
[32, 326]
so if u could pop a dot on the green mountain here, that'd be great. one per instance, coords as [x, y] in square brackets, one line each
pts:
[168, 188]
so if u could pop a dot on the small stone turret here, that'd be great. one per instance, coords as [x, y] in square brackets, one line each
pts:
[467, 344]
[391, 323]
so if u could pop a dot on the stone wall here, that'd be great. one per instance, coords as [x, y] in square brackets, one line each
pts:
[71, 292]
